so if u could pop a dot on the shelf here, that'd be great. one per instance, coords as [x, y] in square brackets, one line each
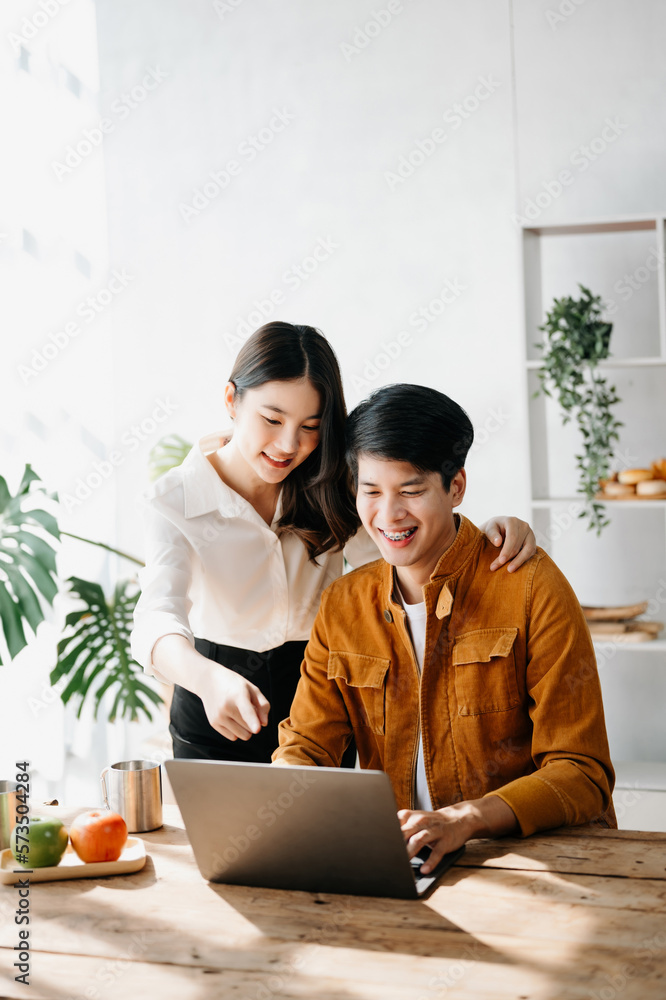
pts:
[542, 503]
[655, 645]
[623, 225]
[654, 362]
[648, 775]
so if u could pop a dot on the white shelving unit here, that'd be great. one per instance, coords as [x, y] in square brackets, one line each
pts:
[543, 503]
[656, 646]
[623, 261]
[618, 363]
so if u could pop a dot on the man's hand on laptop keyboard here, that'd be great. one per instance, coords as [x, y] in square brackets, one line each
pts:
[442, 831]
[447, 829]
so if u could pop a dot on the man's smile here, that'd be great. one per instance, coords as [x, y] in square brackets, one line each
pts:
[399, 537]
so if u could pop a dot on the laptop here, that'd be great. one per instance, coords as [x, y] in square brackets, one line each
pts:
[318, 829]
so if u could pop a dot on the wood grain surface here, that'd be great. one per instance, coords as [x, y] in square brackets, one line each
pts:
[570, 914]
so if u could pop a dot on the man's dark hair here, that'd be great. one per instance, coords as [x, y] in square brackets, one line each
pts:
[410, 423]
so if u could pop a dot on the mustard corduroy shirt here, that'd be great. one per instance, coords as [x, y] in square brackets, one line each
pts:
[508, 702]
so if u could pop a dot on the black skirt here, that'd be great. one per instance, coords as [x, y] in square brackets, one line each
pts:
[275, 672]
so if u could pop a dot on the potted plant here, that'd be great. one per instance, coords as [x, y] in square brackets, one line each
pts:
[576, 340]
[93, 652]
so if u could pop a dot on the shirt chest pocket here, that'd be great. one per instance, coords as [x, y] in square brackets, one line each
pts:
[362, 681]
[485, 671]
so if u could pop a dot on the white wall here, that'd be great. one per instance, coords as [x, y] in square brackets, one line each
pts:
[322, 178]
[355, 113]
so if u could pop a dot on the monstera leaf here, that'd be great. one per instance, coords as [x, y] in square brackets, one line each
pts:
[169, 452]
[27, 559]
[94, 651]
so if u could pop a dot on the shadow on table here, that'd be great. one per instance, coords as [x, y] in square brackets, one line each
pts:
[287, 921]
[369, 923]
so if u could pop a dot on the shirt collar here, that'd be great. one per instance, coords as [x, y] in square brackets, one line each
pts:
[205, 492]
[448, 569]
[458, 554]
[203, 489]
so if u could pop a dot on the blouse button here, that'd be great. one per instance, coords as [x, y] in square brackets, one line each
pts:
[388, 616]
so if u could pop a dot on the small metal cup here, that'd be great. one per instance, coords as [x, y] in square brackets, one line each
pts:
[135, 791]
[8, 815]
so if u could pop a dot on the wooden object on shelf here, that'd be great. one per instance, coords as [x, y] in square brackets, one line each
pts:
[612, 627]
[629, 638]
[625, 632]
[633, 496]
[605, 614]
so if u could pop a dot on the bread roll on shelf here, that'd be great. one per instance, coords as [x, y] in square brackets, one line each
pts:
[614, 490]
[639, 484]
[651, 487]
[659, 469]
[632, 476]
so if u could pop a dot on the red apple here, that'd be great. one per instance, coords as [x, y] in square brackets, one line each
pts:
[98, 835]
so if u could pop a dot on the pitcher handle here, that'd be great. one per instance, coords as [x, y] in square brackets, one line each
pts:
[102, 779]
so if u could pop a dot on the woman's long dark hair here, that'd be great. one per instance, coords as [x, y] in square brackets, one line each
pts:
[317, 500]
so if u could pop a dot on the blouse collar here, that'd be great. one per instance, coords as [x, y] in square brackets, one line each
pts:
[204, 491]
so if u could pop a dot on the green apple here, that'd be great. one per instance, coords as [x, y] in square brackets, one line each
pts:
[39, 843]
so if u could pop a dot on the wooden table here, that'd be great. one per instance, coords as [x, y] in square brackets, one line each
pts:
[576, 916]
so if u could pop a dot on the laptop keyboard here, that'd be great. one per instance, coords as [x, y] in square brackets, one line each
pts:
[420, 859]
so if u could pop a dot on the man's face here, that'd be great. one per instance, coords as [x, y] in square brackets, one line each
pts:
[407, 513]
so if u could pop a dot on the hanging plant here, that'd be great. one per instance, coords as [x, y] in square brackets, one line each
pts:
[576, 340]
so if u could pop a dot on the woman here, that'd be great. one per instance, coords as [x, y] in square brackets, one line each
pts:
[242, 539]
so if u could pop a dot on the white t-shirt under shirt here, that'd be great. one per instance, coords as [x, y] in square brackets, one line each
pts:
[416, 621]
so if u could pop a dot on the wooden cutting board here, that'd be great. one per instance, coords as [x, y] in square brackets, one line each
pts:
[626, 628]
[618, 638]
[598, 614]
[132, 859]
[629, 496]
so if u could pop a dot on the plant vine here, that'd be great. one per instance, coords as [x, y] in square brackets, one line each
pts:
[576, 340]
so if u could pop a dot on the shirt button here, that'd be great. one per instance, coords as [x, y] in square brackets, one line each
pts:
[388, 615]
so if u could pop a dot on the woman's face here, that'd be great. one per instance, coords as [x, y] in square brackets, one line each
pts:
[276, 426]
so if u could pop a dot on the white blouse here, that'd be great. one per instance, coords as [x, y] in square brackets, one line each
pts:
[214, 568]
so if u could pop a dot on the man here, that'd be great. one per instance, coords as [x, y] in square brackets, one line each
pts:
[477, 694]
